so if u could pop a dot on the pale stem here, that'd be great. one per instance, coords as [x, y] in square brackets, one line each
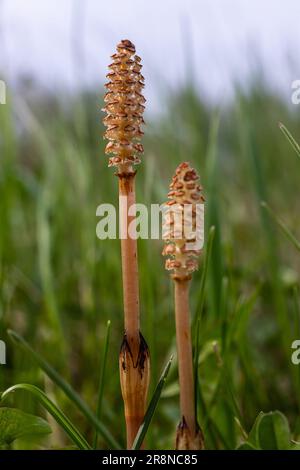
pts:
[129, 264]
[185, 355]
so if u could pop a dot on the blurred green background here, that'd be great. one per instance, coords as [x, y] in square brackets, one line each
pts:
[59, 284]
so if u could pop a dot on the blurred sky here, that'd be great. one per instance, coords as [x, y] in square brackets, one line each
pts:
[214, 42]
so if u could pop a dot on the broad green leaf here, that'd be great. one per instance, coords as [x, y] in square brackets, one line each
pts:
[270, 431]
[57, 414]
[253, 435]
[66, 388]
[274, 432]
[15, 424]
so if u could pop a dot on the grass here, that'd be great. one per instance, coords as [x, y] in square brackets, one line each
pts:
[59, 285]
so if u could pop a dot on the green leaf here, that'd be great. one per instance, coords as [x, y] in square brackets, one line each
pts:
[270, 431]
[211, 235]
[102, 380]
[15, 424]
[290, 138]
[171, 391]
[213, 213]
[198, 316]
[274, 431]
[66, 388]
[238, 323]
[151, 408]
[253, 435]
[295, 446]
[57, 414]
[246, 446]
[282, 225]
[208, 349]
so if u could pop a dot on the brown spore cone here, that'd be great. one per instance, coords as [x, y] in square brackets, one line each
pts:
[124, 108]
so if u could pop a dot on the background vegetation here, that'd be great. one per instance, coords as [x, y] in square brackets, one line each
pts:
[59, 284]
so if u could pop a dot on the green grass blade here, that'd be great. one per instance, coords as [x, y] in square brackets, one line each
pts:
[213, 214]
[151, 408]
[207, 257]
[282, 225]
[232, 402]
[57, 414]
[101, 380]
[198, 316]
[66, 388]
[44, 256]
[290, 138]
[224, 313]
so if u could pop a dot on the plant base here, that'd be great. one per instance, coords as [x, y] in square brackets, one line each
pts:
[134, 377]
[185, 440]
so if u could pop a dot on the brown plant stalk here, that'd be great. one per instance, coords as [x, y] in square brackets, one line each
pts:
[183, 234]
[124, 116]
